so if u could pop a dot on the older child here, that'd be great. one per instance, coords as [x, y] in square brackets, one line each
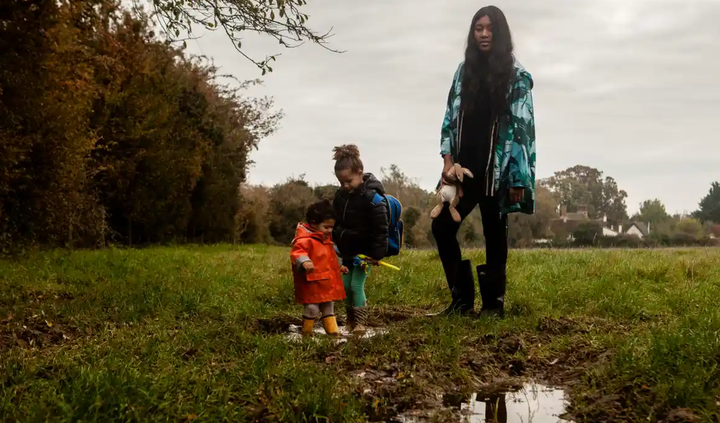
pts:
[316, 268]
[361, 228]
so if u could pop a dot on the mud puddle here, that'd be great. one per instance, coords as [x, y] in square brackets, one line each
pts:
[294, 334]
[533, 403]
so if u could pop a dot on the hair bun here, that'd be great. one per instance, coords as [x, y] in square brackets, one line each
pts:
[348, 151]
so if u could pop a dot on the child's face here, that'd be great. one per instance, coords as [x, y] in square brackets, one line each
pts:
[349, 180]
[326, 227]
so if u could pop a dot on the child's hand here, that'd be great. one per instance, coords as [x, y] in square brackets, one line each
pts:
[308, 266]
[373, 261]
[344, 270]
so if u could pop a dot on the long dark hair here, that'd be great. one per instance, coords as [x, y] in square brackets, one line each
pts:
[488, 75]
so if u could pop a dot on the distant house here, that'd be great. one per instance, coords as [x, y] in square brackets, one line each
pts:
[638, 229]
[567, 223]
[611, 231]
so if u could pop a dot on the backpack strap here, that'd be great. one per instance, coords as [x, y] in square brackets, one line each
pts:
[377, 198]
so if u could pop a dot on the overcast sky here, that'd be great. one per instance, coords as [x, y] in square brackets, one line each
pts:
[627, 86]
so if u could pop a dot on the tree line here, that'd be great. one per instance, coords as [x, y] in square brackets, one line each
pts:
[269, 214]
[110, 134]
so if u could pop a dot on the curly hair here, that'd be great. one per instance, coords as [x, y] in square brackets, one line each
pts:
[347, 157]
[319, 212]
[488, 75]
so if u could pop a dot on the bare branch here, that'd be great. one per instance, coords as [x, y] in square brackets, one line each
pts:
[279, 19]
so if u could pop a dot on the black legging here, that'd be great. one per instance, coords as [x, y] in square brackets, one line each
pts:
[495, 228]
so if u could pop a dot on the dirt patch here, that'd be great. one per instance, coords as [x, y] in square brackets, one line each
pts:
[416, 386]
[35, 331]
[490, 365]
[568, 325]
[389, 392]
[388, 315]
[682, 415]
[381, 317]
[40, 297]
[275, 325]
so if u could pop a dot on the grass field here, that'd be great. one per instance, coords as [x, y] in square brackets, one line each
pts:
[198, 333]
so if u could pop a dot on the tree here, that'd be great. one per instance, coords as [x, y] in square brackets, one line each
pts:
[690, 227]
[405, 189]
[251, 219]
[108, 132]
[46, 95]
[585, 186]
[325, 192]
[410, 217]
[711, 229]
[523, 229]
[279, 19]
[587, 232]
[288, 203]
[709, 210]
[652, 211]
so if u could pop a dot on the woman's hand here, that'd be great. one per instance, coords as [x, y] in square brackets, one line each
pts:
[448, 175]
[308, 266]
[344, 270]
[516, 195]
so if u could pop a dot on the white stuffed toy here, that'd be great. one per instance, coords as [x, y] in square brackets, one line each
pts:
[451, 194]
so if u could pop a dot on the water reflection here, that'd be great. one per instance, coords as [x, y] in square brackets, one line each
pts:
[533, 403]
[319, 333]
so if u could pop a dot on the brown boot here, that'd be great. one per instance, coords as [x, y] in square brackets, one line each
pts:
[361, 315]
[350, 323]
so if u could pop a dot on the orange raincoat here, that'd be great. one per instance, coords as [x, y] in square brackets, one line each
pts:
[325, 282]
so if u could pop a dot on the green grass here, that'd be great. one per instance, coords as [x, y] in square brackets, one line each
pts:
[171, 334]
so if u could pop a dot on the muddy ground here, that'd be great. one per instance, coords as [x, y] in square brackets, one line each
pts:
[497, 364]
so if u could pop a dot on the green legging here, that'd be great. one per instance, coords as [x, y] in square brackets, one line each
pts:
[354, 283]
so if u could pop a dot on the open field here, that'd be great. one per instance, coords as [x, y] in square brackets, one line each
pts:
[199, 333]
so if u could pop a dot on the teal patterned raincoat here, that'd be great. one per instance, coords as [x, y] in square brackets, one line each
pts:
[513, 136]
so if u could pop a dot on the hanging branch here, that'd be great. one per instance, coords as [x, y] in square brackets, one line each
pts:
[280, 19]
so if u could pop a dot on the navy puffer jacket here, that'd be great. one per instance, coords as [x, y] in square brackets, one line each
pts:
[361, 226]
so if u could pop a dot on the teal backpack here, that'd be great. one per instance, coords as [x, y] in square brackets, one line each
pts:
[395, 224]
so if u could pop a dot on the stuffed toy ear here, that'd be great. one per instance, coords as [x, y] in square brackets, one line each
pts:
[455, 215]
[459, 174]
[436, 210]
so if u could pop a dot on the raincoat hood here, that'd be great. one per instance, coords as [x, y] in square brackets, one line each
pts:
[304, 230]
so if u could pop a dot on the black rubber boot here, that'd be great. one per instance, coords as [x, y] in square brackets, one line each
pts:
[462, 290]
[450, 276]
[492, 290]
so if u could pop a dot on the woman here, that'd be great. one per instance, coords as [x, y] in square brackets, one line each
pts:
[489, 129]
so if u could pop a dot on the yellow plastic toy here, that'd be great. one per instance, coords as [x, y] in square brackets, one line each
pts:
[381, 263]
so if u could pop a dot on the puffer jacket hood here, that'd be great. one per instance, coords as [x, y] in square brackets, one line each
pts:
[373, 183]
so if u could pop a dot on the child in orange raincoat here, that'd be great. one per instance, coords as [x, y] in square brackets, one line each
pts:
[316, 268]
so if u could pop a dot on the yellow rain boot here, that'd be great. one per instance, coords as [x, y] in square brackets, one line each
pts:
[307, 326]
[330, 325]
